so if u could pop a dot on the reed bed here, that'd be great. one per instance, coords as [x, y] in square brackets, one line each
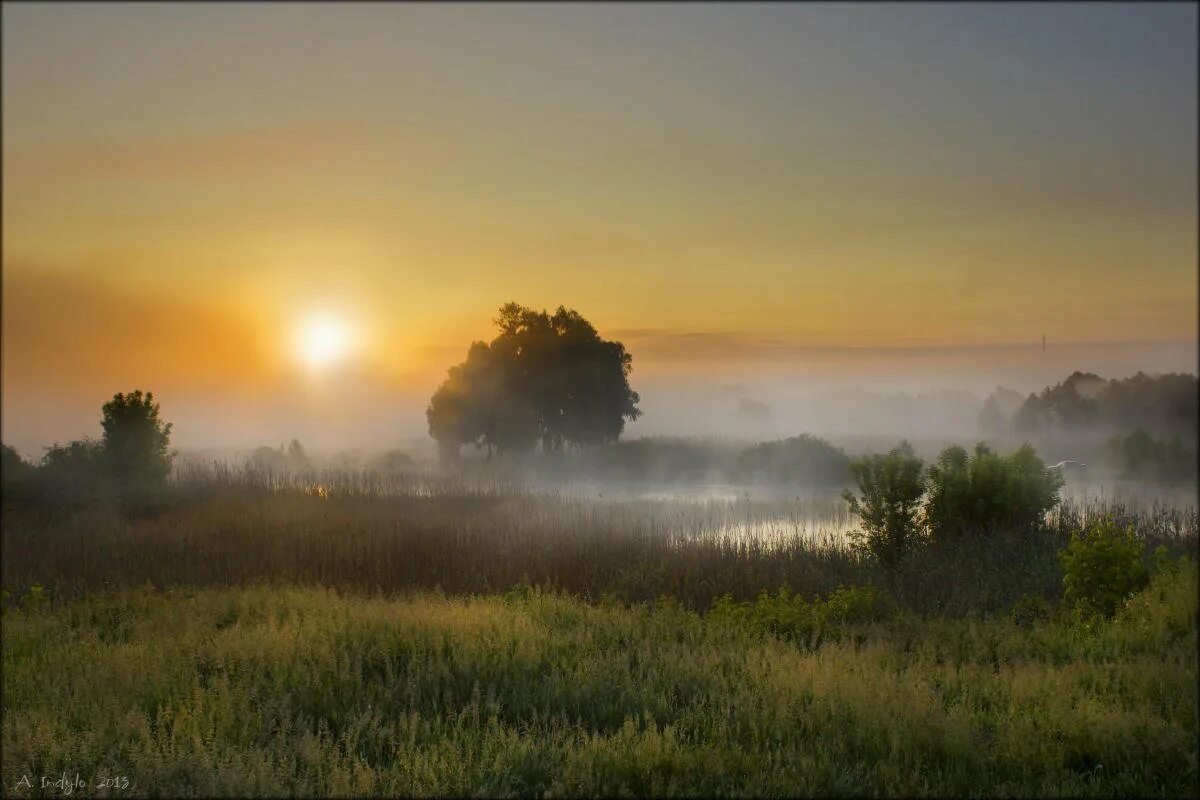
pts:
[363, 532]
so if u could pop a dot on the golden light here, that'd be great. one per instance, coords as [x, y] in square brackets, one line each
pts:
[323, 340]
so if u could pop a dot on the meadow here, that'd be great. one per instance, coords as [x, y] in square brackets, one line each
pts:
[348, 634]
[302, 691]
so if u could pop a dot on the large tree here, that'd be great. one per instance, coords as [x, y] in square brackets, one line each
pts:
[544, 378]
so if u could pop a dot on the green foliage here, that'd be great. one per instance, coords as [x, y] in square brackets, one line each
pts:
[803, 460]
[789, 616]
[1103, 567]
[853, 605]
[136, 440]
[891, 489]
[1141, 457]
[547, 378]
[986, 491]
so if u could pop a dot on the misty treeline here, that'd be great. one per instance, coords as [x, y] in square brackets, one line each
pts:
[803, 460]
[130, 462]
[544, 379]
[1149, 422]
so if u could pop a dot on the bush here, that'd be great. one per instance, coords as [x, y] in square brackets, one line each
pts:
[1103, 567]
[852, 605]
[803, 459]
[986, 491]
[73, 473]
[891, 490]
[1030, 609]
[789, 616]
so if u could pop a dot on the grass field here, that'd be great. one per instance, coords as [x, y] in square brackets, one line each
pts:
[267, 691]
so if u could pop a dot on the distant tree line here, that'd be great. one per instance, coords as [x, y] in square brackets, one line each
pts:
[545, 379]
[1151, 421]
[1163, 405]
[801, 460]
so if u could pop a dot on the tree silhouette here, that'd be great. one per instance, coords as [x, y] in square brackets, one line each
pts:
[891, 488]
[544, 378]
[134, 446]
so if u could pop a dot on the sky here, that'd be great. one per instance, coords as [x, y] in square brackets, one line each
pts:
[775, 195]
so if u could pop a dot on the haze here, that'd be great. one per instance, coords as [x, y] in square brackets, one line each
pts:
[770, 203]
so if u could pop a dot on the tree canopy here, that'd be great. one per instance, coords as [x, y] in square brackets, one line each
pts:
[545, 378]
[135, 439]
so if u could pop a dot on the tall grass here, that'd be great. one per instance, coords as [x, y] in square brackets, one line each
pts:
[361, 532]
[267, 691]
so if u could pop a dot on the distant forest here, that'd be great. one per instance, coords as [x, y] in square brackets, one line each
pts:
[1151, 421]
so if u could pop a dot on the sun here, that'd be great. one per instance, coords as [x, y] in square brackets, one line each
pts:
[323, 340]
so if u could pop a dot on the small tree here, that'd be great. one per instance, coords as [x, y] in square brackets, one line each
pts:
[986, 491]
[135, 439]
[891, 489]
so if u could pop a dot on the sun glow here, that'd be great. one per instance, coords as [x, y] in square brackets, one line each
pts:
[323, 340]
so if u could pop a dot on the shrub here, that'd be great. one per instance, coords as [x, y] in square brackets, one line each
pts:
[789, 616]
[73, 472]
[852, 605]
[803, 459]
[1103, 567]
[891, 490]
[1030, 609]
[986, 491]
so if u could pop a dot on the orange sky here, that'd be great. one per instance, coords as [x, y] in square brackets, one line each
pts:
[718, 186]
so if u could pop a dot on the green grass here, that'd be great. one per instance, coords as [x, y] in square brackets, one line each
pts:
[286, 691]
